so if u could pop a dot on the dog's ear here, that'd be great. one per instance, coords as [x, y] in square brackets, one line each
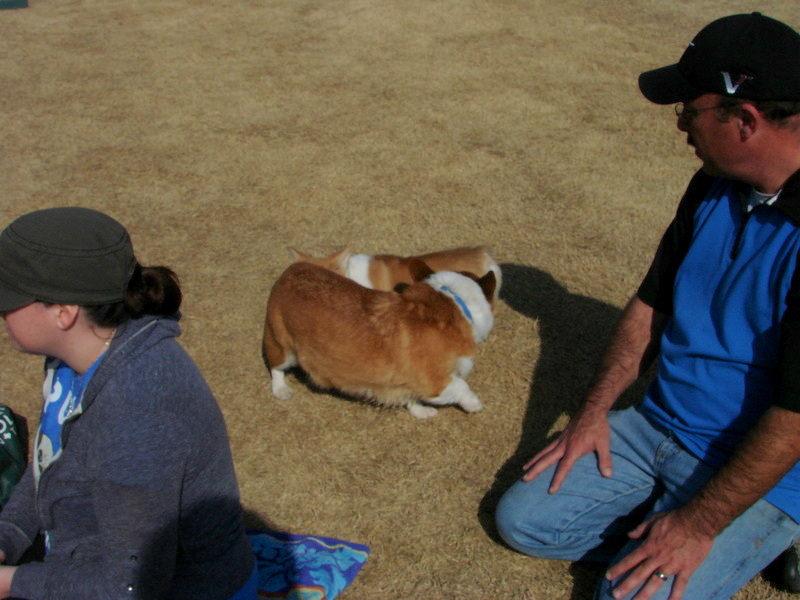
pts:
[299, 256]
[338, 261]
[488, 284]
[419, 270]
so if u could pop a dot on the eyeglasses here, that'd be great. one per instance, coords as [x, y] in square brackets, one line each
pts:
[687, 113]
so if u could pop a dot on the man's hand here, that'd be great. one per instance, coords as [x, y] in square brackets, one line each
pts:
[587, 432]
[672, 547]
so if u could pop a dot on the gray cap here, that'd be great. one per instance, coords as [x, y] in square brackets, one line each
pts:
[66, 255]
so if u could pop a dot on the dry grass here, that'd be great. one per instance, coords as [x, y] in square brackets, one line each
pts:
[220, 133]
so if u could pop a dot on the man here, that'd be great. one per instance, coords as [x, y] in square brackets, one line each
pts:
[696, 489]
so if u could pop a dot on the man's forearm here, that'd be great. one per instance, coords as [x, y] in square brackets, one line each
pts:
[770, 450]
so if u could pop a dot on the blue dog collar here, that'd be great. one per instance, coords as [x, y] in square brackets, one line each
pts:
[461, 304]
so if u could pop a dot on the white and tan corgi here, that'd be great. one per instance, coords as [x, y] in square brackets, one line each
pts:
[412, 348]
[385, 271]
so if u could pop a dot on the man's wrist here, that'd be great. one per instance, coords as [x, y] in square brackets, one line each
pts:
[703, 520]
[596, 405]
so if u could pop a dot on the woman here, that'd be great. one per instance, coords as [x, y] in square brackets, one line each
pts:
[132, 483]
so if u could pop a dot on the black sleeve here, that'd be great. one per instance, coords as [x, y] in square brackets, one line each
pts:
[657, 287]
[788, 392]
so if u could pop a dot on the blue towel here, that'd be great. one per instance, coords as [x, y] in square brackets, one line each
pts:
[304, 567]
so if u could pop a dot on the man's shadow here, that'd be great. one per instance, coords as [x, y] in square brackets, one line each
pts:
[573, 331]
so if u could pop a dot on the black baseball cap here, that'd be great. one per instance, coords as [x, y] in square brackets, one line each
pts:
[66, 255]
[746, 56]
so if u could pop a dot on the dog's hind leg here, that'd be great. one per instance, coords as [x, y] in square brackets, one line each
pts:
[463, 366]
[280, 389]
[278, 361]
[458, 392]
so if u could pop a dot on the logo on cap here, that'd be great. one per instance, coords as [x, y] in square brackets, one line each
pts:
[731, 85]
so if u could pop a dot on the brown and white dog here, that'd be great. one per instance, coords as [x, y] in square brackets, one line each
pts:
[397, 349]
[385, 271]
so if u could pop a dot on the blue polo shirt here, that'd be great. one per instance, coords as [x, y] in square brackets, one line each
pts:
[729, 274]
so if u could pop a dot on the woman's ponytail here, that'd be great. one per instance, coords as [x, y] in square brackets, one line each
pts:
[151, 291]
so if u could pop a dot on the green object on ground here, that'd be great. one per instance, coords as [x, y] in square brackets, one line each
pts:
[12, 453]
[13, 4]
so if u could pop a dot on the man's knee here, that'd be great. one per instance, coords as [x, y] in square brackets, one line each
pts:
[524, 528]
[564, 526]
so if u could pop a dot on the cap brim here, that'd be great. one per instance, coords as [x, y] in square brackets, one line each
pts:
[12, 300]
[667, 86]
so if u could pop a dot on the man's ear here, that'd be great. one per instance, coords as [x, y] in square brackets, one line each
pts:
[750, 119]
[66, 315]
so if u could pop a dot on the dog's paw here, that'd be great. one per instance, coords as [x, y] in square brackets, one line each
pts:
[471, 403]
[284, 393]
[279, 387]
[458, 392]
[421, 411]
[465, 397]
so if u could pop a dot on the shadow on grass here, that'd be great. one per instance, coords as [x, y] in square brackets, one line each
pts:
[574, 330]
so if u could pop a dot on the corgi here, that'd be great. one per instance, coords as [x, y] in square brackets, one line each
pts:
[385, 271]
[409, 348]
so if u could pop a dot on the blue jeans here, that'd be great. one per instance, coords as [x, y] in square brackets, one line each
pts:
[590, 516]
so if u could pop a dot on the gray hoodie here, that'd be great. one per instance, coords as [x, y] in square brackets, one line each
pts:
[143, 502]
